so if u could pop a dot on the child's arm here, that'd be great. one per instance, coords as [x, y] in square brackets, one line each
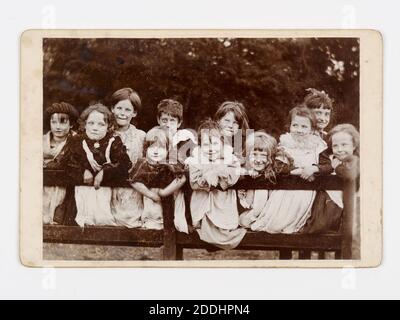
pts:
[283, 162]
[175, 185]
[324, 164]
[75, 163]
[196, 178]
[229, 174]
[141, 188]
[324, 167]
[118, 169]
[349, 168]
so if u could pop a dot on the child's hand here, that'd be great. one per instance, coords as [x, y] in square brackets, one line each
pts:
[297, 171]
[253, 173]
[211, 177]
[241, 194]
[87, 177]
[98, 179]
[308, 172]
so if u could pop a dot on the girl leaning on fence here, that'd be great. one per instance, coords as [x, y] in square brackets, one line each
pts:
[287, 211]
[96, 157]
[62, 117]
[127, 203]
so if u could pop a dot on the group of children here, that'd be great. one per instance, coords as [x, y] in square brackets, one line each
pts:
[108, 150]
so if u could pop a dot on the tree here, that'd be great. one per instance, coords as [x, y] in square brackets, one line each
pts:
[269, 76]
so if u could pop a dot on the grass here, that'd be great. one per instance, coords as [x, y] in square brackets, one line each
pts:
[78, 252]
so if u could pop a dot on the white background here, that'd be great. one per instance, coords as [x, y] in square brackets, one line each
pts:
[17, 281]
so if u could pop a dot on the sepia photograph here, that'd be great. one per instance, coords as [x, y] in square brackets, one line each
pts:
[211, 148]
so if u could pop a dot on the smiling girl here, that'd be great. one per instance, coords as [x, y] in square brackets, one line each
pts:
[321, 105]
[233, 122]
[327, 211]
[212, 171]
[287, 211]
[261, 151]
[127, 203]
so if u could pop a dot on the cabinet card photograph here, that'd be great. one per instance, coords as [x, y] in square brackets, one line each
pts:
[201, 148]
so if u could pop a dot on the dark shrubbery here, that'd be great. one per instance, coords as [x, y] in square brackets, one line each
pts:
[268, 76]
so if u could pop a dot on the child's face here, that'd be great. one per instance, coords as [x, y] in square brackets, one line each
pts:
[300, 126]
[124, 112]
[156, 153]
[169, 122]
[96, 127]
[229, 125]
[342, 145]
[60, 125]
[211, 147]
[323, 117]
[258, 160]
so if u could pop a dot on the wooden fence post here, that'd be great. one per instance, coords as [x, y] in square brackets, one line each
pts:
[350, 239]
[169, 249]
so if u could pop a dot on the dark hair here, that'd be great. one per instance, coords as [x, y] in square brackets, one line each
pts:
[238, 110]
[108, 116]
[170, 107]
[349, 129]
[302, 111]
[127, 94]
[62, 108]
[316, 99]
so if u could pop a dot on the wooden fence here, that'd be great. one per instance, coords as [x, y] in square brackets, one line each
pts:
[173, 242]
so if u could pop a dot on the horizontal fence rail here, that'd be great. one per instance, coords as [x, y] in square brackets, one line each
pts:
[174, 242]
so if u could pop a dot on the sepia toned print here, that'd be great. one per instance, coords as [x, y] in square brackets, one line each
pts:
[229, 149]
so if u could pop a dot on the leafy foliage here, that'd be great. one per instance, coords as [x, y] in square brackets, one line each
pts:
[269, 76]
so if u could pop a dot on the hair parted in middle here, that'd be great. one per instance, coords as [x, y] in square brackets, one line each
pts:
[127, 94]
[238, 110]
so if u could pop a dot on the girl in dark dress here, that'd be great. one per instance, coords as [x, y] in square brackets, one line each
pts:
[327, 211]
[155, 179]
[95, 158]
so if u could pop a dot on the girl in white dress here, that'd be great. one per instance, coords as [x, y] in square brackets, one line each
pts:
[62, 116]
[260, 150]
[127, 203]
[287, 211]
[212, 169]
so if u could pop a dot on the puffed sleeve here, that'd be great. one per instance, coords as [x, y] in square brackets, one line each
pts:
[230, 174]
[120, 164]
[324, 164]
[349, 168]
[196, 177]
[74, 163]
[283, 163]
[139, 173]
